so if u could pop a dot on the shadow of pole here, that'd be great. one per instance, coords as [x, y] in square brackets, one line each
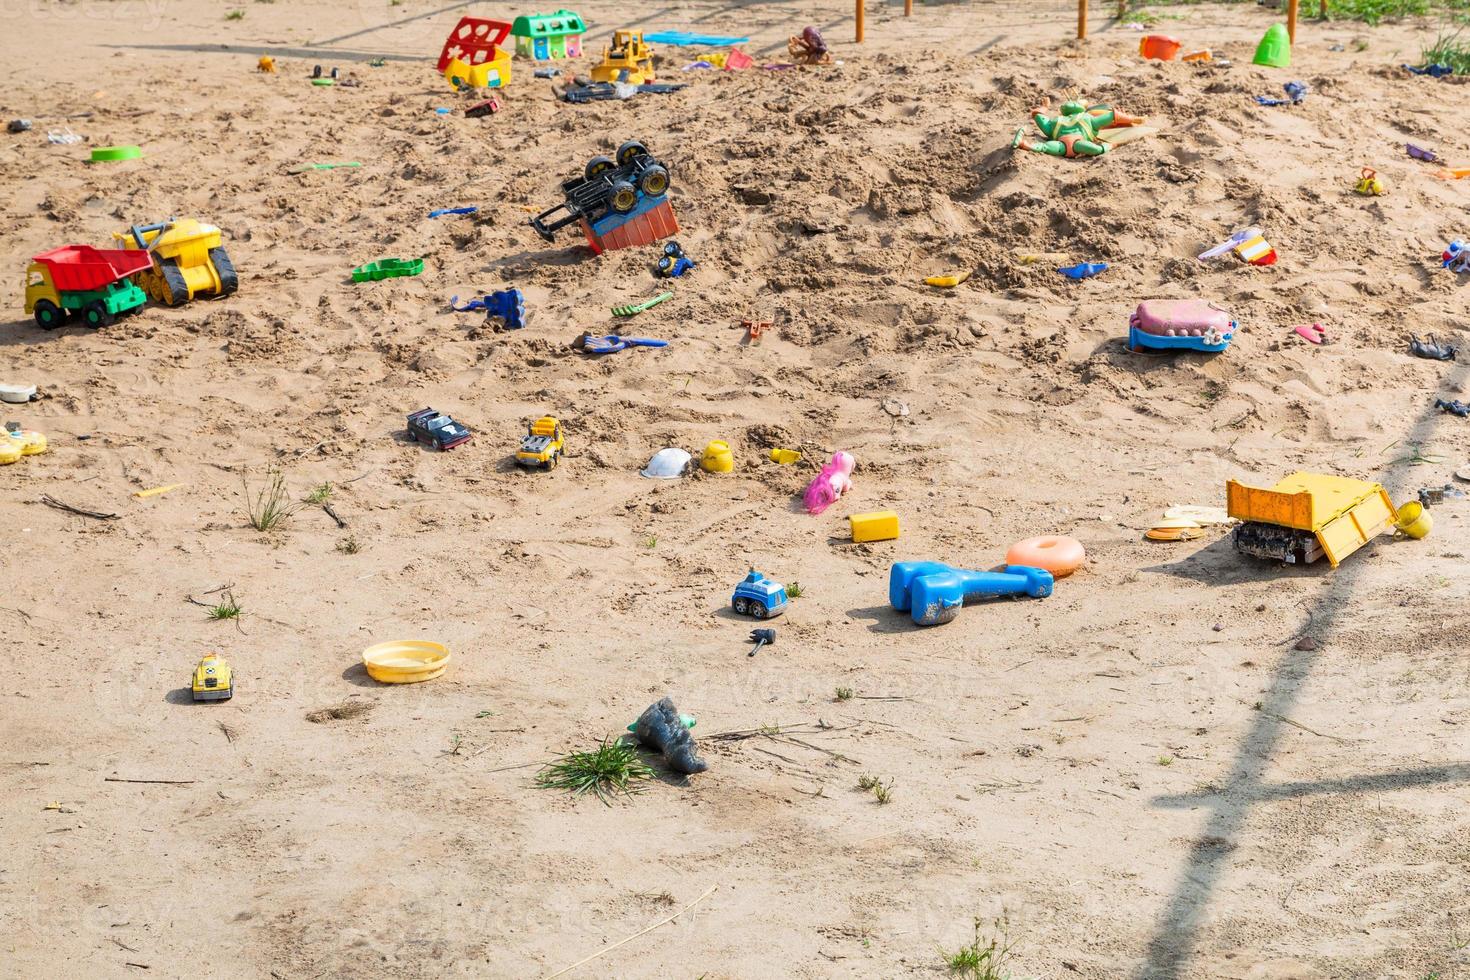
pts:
[1172, 946]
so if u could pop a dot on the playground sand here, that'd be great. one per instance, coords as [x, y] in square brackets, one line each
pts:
[1142, 771]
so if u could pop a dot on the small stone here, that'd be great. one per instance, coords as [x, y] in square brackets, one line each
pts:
[1261, 607]
[1306, 643]
[1217, 628]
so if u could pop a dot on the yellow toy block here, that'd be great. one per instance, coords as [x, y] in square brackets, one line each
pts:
[878, 526]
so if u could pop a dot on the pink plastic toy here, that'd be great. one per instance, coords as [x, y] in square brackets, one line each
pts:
[834, 480]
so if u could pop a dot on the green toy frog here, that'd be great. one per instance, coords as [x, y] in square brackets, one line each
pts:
[1074, 133]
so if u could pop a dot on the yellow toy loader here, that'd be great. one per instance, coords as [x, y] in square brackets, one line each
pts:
[628, 60]
[189, 260]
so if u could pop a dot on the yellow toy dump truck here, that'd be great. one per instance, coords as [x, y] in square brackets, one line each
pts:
[542, 444]
[629, 60]
[1308, 515]
[189, 260]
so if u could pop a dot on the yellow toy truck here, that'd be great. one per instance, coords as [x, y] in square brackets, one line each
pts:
[542, 445]
[212, 679]
[629, 60]
[1308, 515]
[189, 260]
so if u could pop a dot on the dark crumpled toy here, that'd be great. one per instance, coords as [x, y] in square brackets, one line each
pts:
[661, 728]
[1455, 407]
[1431, 349]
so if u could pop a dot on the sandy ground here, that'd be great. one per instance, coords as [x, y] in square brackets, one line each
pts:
[1142, 771]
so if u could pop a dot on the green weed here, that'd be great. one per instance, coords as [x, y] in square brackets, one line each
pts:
[269, 507]
[235, 15]
[611, 769]
[650, 542]
[226, 608]
[844, 694]
[349, 545]
[1165, 760]
[320, 495]
[1373, 12]
[795, 591]
[1449, 48]
[985, 957]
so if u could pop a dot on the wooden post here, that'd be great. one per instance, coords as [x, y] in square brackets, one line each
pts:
[1081, 19]
[1323, 12]
[1123, 8]
[859, 21]
[908, 8]
[1291, 20]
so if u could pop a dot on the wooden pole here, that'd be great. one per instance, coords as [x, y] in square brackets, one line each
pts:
[908, 8]
[1081, 19]
[859, 21]
[1291, 20]
[1323, 12]
[1123, 8]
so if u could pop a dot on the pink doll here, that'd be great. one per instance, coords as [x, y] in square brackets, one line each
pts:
[834, 480]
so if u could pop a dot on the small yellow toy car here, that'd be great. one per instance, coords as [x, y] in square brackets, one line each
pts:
[542, 445]
[212, 679]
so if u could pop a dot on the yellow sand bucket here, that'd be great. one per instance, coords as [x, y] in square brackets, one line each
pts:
[405, 661]
[717, 457]
[1414, 520]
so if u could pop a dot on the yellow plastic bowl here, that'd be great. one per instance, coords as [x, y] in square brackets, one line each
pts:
[718, 458]
[405, 661]
[1414, 520]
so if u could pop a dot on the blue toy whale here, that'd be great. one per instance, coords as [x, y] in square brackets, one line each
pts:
[934, 592]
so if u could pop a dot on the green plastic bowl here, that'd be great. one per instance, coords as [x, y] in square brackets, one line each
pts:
[103, 154]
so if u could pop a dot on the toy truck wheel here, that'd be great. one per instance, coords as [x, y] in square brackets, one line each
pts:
[757, 609]
[550, 464]
[49, 316]
[175, 290]
[673, 249]
[629, 151]
[597, 165]
[654, 181]
[412, 436]
[229, 280]
[741, 607]
[96, 315]
[624, 197]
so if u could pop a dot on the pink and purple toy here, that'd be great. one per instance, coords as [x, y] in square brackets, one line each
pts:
[834, 480]
[1180, 324]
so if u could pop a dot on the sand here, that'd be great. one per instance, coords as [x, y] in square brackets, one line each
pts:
[1143, 772]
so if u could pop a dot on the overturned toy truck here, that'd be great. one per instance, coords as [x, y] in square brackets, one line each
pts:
[620, 202]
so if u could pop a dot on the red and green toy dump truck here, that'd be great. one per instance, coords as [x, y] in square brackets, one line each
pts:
[88, 282]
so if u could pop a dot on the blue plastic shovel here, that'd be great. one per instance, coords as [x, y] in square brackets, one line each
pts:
[612, 343]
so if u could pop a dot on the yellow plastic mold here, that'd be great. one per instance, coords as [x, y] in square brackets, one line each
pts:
[880, 525]
[405, 661]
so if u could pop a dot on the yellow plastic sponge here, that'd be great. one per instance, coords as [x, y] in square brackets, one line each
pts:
[878, 526]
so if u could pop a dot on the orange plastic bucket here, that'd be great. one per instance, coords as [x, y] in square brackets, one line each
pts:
[1160, 46]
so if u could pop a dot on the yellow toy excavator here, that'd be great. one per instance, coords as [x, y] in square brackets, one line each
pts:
[629, 60]
[189, 260]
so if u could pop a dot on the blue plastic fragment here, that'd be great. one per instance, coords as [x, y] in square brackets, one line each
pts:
[1433, 71]
[685, 39]
[1295, 93]
[443, 112]
[1084, 270]
[437, 212]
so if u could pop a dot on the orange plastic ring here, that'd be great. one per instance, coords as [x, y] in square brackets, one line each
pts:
[1056, 553]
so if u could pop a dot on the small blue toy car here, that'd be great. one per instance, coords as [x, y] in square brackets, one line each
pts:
[759, 597]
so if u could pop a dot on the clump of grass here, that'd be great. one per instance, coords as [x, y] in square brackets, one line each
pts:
[1449, 48]
[235, 15]
[456, 743]
[795, 591]
[844, 694]
[1165, 760]
[349, 545]
[650, 542]
[270, 506]
[226, 608]
[882, 792]
[985, 956]
[611, 769]
[320, 495]
[1372, 12]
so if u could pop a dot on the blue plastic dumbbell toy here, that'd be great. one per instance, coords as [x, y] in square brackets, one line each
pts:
[933, 592]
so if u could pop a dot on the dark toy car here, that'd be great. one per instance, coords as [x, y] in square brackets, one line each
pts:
[436, 429]
[607, 184]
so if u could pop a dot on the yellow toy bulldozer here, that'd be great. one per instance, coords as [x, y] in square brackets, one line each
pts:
[189, 260]
[629, 60]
